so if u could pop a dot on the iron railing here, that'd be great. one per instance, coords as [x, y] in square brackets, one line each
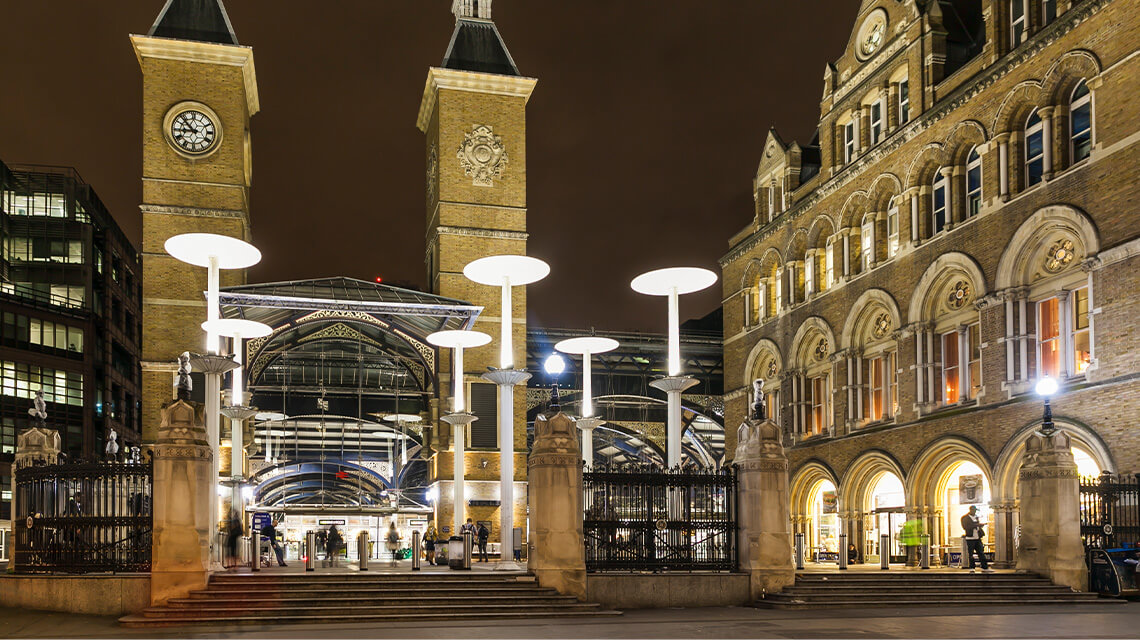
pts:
[1110, 511]
[83, 518]
[649, 519]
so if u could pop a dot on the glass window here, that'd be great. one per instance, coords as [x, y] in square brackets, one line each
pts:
[1017, 22]
[819, 404]
[75, 339]
[1048, 11]
[1082, 351]
[876, 122]
[1049, 338]
[974, 346]
[771, 202]
[973, 183]
[1034, 149]
[892, 230]
[1080, 123]
[849, 142]
[904, 101]
[829, 263]
[865, 243]
[877, 370]
[939, 198]
[950, 368]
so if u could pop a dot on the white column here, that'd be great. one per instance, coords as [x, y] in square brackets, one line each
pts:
[933, 377]
[506, 472]
[809, 273]
[213, 306]
[920, 382]
[846, 253]
[1009, 338]
[914, 216]
[963, 363]
[674, 335]
[792, 283]
[1003, 165]
[507, 353]
[858, 389]
[1046, 114]
[237, 393]
[951, 218]
[457, 495]
[1066, 333]
[850, 389]
[1023, 339]
[1092, 337]
[587, 411]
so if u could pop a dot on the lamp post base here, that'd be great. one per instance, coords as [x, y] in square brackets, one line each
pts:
[507, 379]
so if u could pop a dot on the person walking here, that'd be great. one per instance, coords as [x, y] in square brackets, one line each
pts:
[393, 542]
[332, 546]
[269, 532]
[482, 534]
[232, 537]
[974, 536]
[429, 544]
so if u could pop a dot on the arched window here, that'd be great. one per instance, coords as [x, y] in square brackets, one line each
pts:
[892, 229]
[973, 183]
[1018, 22]
[940, 202]
[876, 122]
[850, 137]
[1080, 122]
[1034, 149]
[867, 242]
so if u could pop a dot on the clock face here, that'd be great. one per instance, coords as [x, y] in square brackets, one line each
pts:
[872, 33]
[193, 132]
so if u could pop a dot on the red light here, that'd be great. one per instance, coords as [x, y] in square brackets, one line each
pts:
[379, 280]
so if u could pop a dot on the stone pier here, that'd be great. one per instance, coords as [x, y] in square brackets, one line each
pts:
[555, 475]
[1050, 512]
[764, 540]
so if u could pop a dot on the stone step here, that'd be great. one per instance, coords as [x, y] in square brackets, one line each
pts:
[172, 620]
[258, 600]
[324, 609]
[826, 603]
[796, 594]
[496, 591]
[925, 590]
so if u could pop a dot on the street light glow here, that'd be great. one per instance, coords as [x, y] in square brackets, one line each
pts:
[1046, 386]
[554, 364]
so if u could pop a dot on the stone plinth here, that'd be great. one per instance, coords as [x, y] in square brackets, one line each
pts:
[1050, 512]
[557, 556]
[183, 468]
[764, 534]
[37, 446]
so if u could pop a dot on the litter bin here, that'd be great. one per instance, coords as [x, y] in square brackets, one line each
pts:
[455, 552]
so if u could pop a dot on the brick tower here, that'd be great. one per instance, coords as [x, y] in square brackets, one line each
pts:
[473, 115]
[199, 92]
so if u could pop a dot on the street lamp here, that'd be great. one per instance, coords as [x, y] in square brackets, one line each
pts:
[1046, 387]
[506, 271]
[586, 346]
[672, 283]
[554, 365]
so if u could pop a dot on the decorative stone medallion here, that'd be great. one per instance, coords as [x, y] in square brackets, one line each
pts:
[432, 171]
[872, 34]
[1060, 255]
[482, 156]
[772, 369]
[882, 325]
[821, 349]
[959, 295]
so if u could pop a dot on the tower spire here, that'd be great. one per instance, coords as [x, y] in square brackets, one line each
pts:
[200, 20]
[471, 9]
[476, 44]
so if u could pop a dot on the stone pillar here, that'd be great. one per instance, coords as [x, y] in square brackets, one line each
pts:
[183, 464]
[764, 542]
[35, 446]
[1050, 512]
[554, 470]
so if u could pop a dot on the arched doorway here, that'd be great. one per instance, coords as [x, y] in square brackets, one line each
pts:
[886, 514]
[823, 524]
[963, 485]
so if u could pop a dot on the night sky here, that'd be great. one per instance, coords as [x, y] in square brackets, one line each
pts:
[645, 128]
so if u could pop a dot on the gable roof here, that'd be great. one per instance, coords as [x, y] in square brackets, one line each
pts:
[477, 46]
[200, 20]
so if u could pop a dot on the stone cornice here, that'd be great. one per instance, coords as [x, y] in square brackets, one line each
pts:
[481, 233]
[206, 53]
[439, 78]
[192, 211]
[963, 94]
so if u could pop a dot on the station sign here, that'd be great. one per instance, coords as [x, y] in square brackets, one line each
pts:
[331, 521]
[261, 520]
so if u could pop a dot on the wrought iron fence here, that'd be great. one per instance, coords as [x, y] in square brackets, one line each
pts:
[649, 519]
[1110, 511]
[83, 518]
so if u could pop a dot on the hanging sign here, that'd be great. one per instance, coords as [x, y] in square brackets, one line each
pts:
[830, 502]
[970, 489]
[260, 520]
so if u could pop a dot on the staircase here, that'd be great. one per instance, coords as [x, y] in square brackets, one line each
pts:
[233, 599]
[814, 590]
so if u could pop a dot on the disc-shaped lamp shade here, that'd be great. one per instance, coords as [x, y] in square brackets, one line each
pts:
[680, 280]
[402, 417]
[212, 363]
[458, 340]
[586, 344]
[270, 416]
[518, 270]
[198, 248]
[238, 328]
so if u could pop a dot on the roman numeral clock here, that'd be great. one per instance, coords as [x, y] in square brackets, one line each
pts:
[192, 129]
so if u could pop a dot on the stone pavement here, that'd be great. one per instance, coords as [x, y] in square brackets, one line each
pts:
[1087, 621]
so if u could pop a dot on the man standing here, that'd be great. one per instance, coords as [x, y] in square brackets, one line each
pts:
[974, 535]
[269, 532]
[482, 534]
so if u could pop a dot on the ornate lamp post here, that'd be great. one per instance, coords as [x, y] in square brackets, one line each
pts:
[214, 252]
[459, 418]
[1046, 387]
[506, 272]
[587, 346]
[672, 283]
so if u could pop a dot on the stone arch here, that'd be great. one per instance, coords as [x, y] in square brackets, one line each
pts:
[796, 246]
[821, 229]
[806, 339]
[932, 463]
[965, 136]
[770, 261]
[764, 350]
[883, 189]
[1008, 463]
[866, 309]
[752, 273]
[947, 268]
[861, 474]
[1061, 78]
[921, 170]
[853, 209]
[1016, 105]
[1020, 263]
[804, 481]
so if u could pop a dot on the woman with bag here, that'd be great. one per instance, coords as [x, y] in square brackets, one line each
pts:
[393, 542]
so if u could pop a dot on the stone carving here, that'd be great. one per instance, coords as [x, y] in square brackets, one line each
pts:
[112, 448]
[959, 295]
[185, 385]
[432, 171]
[758, 399]
[482, 156]
[759, 439]
[821, 350]
[39, 410]
[772, 369]
[1060, 256]
[882, 325]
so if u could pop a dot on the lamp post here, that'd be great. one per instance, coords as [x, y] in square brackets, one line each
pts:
[673, 282]
[587, 346]
[459, 418]
[214, 252]
[1046, 387]
[506, 271]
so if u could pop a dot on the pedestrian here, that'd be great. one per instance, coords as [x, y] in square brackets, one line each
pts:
[852, 554]
[469, 526]
[269, 532]
[232, 537]
[974, 536]
[393, 540]
[482, 534]
[429, 544]
[332, 545]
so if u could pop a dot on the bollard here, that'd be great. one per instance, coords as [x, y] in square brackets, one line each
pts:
[885, 551]
[468, 546]
[255, 550]
[842, 551]
[925, 551]
[310, 549]
[415, 551]
[799, 551]
[362, 550]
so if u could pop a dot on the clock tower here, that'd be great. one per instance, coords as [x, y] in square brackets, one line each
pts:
[199, 92]
[473, 116]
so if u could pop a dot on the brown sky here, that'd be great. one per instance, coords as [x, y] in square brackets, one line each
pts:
[644, 131]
